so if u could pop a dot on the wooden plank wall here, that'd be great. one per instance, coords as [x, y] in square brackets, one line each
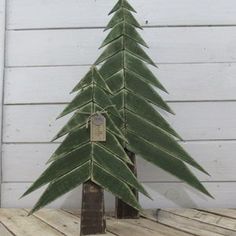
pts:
[50, 45]
[2, 71]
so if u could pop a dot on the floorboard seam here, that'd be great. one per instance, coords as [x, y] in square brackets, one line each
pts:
[46, 223]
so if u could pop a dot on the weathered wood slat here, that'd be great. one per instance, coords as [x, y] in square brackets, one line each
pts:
[80, 47]
[190, 225]
[168, 222]
[194, 121]
[178, 195]
[165, 195]
[42, 85]
[2, 63]
[39, 118]
[151, 214]
[20, 224]
[74, 212]
[231, 213]
[157, 227]
[11, 193]
[60, 220]
[206, 217]
[106, 234]
[72, 13]
[4, 231]
[77, 213]
[34, 156]
[123, 228]
[123, 210]
[188, 82]
[92, 210]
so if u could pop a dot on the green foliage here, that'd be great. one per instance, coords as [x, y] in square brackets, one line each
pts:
[78, 160]
[125, 91]
[125, 68]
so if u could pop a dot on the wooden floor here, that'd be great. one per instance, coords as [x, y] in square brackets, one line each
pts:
[168, 222]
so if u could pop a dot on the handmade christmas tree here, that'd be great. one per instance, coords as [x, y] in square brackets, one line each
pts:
[122, 100]
[79, 159]
[125, 69]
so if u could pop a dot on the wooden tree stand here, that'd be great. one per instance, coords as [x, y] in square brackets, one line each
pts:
[93, 211]
[124, 211]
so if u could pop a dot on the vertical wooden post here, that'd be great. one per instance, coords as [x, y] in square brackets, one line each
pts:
[93, 213]
[124, 211]
[3, 4]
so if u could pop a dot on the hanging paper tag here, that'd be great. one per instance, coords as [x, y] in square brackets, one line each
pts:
[98, 128]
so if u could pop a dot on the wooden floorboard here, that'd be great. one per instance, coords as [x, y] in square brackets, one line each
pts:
[231, 213]
[191, 225]
[166, 222]
[157, 227]
[208, 218]
[4, 231]
[18, 223]
[60, 220]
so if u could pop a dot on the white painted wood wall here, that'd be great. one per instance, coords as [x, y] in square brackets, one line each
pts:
[49, 46]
